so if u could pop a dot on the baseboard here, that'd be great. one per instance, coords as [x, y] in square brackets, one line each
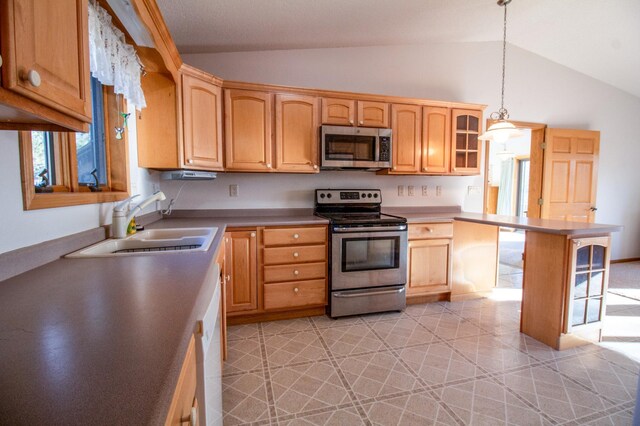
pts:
[470, 296]
[429, 298]
[274, 316]
[631, 259]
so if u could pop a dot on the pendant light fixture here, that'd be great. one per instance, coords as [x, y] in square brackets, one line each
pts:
[501, 130]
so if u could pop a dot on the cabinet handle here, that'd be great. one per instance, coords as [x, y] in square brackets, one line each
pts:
[33, 77]
[296, 272]
[0, 60]
[190, 161]
[428, 230]
[295, 254]
[253, 234]
[593, 209]
[227, 278]
[193, 418]
[296, 236]
[295, 290]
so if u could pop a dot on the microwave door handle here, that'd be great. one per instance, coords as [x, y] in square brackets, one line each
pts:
[377, 151]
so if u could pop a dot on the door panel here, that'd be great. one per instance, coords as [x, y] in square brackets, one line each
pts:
[373, 114]
[297, 133]
[240, 266]
[436, 141]
[406, 124]
[570, 174]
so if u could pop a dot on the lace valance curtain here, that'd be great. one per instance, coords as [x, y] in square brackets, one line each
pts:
[112, 61]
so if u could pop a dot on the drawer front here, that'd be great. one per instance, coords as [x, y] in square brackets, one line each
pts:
[430, 230]
[305, 271]
[289, 236]
[295, 294]
[301, 254]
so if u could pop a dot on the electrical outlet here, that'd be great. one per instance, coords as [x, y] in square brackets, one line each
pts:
[425, 191]
[438, 191]
[410, 191]
[473, 190]
[400, 191]
[233, 190]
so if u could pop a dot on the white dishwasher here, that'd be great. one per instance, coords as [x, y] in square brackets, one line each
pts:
[209, 363]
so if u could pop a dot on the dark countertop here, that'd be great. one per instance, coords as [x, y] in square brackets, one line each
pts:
[102, 340]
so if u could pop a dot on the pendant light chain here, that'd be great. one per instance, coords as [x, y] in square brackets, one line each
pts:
[503, 112]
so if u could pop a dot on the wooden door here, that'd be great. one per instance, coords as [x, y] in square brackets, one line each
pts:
[570, 174]
[436, 140]
[466, 151]
[373, 114]
[340, 112]
[429, 266]
[202, 123]
[406, 122]
[297, 133]
[248, 130]
[49, 40]
[241, 269]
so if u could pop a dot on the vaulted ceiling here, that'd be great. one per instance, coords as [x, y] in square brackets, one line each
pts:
[600, 38]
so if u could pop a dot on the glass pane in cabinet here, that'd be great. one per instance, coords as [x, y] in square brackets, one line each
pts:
[461, 159]
[578, 312]
[582, 259]
[461, 141]
[598, 257]
[472, 159]
[473, 124]
[461, 122]
[473, 142]
[595, 283]
[580, 288]
[593, 310]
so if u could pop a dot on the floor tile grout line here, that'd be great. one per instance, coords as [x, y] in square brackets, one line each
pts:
[267, 374]
[446, 408]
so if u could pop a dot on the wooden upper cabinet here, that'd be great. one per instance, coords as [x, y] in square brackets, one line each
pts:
[341, 112]
[248, 136]
[373, 114]
[406, 122]
[296, 133]
[45, 53]
[202, 123]
[436, 140]
[466, 150]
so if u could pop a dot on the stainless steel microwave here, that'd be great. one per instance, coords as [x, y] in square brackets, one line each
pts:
[355, 148]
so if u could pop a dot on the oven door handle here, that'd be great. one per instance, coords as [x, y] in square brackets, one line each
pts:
[345, 229]
[368, 293]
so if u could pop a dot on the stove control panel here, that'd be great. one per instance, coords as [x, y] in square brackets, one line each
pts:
[348, 196]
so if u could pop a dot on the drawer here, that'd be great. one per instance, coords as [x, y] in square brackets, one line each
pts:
[290, 236]
[296, 254]
[295, 294]
[430, 230]
[305, 271]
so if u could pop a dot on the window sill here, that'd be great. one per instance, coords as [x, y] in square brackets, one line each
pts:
[35, 201]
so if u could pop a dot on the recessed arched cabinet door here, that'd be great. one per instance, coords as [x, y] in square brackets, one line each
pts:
[436, 140]
[406, 122]
[296, 135]
[339, 112]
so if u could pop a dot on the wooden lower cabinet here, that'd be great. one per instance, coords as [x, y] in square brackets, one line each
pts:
[241, 271]
[184, 404]
[429, 259]
[295, 294]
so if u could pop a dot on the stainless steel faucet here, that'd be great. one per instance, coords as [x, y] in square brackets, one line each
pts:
[122, 213]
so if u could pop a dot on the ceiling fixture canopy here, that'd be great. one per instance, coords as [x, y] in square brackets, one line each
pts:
[502, 129]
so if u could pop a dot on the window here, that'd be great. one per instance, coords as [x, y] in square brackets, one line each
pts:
[63, 168]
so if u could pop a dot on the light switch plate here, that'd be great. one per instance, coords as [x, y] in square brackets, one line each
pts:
[425, 191]
[438, 191]
[411, 191]
[233, 190]
[400, 190]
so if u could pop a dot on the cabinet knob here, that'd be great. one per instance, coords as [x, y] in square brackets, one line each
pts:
[428, 230]
[315, 167]
[295, 254]
[295, 290]
[393, 168]
[193, 418]
[253, 234]
[0, 60]
[190, 161]
[226, 240]
[268, 165]
[296, 236]
[296, 272]
[361, 122]
[227, 278]
[350, 121]
[424, 169]
[33, 77]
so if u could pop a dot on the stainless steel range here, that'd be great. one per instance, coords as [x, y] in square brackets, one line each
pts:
[368, 264]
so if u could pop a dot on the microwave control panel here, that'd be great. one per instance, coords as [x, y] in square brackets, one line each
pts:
[385, 148]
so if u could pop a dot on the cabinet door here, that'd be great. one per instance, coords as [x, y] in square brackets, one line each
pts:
[406, 124]
[202, 123]
[466, 150]
[341, 112]
[589, 282]
[248, 130]
[241, 270]
[297, 133]
[436, 140]
[429, 266]
[373, 114]
[49, 40]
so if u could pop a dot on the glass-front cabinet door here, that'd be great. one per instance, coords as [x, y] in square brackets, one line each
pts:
[588, 282]
[466, 149]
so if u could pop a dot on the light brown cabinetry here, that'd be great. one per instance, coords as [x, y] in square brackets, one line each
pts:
[466, 150]
[241, 271]
[436, 140]
[296, 135]
[184, 404]
[45, 65]
[201, 123]
[429, 262]
[348, 112]
[248, 138]
[406, 125]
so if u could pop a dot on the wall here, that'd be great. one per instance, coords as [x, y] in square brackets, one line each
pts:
[20, 228]
[537, 90]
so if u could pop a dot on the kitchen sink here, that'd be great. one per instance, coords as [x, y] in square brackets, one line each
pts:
[152, 242]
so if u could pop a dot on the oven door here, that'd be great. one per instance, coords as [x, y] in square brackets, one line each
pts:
[345, 147]
[368, 257]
